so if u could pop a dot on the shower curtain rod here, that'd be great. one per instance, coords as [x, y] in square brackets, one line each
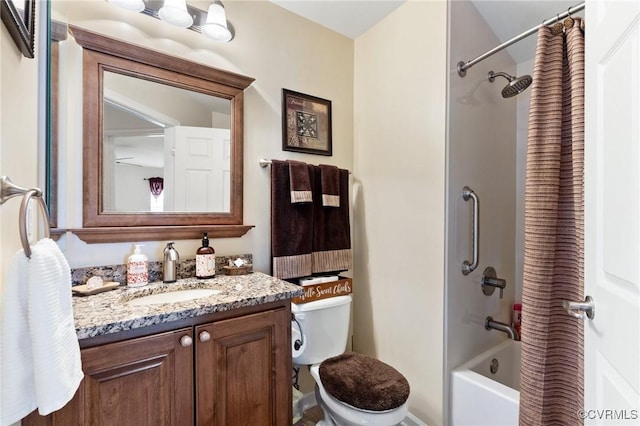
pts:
[464, 66]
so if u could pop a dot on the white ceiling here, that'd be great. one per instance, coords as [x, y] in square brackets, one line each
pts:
[347, 17]
[507, 18]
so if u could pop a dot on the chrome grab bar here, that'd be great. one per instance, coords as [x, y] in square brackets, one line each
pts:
[468, 267]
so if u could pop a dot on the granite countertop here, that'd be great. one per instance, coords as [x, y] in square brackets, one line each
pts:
[109, 312]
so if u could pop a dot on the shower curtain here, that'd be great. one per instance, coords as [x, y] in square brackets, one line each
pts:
[551, 391]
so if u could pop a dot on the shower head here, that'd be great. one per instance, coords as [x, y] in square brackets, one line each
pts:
[516, 85]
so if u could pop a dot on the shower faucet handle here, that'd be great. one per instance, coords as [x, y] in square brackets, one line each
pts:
[490, 282]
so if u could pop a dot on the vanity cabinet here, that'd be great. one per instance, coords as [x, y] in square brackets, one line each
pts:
[144, 381]
[243, 370]
[233, 371]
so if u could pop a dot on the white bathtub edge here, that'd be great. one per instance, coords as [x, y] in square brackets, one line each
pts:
[480, 400]
[487, 384]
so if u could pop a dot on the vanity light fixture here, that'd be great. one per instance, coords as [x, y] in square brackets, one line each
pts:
[175, 12]
[212, 23]
[216, 25]
[133, 5]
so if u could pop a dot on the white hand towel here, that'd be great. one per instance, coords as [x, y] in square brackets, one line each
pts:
[17, 393]
[40, 353]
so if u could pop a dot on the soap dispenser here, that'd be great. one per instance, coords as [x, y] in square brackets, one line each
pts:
[137, 268]
[205, 259]
[170, 263]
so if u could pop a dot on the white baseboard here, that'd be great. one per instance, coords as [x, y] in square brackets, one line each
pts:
[309, 401]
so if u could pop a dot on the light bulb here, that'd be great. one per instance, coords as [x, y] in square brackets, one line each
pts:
[175, 12]
[133, 5]
[216, 25]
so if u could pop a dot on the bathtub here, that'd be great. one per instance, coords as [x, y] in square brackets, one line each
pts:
[482, 398]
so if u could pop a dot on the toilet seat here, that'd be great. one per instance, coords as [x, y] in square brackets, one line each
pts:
[353, 415]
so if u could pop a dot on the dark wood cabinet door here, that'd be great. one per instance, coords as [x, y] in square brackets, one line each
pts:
[243, 370]
[138, 382]
[143, 381]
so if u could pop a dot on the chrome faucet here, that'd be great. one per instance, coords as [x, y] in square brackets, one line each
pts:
[490, 282]
[490, 324]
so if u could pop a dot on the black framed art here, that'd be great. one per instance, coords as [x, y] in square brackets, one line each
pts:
[20, 18]
[306, 123]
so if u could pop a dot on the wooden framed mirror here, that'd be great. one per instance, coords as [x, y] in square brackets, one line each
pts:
[141, 139]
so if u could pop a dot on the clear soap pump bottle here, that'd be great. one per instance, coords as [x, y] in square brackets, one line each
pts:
[205, 259]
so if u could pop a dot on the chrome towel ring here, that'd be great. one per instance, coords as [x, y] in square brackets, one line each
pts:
[9, 190]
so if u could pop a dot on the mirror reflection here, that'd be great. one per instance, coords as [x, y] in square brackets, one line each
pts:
[165, 148]
[155, 165]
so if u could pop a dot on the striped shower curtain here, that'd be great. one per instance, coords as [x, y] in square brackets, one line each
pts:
[551, 391]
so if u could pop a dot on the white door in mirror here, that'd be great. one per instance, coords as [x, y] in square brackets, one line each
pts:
[197, 169]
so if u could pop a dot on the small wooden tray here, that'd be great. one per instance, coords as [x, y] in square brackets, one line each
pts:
[237, 270]
[82, 290]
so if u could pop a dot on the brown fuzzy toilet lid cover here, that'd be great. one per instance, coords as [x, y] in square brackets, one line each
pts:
[364, 382]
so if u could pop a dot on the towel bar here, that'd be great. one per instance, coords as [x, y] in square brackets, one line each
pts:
[263, 162]
[9, 190]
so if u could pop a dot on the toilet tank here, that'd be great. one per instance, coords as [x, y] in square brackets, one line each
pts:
[325, 328]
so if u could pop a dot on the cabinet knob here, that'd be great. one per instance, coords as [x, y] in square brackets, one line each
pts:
[204, 336]
[186, 341]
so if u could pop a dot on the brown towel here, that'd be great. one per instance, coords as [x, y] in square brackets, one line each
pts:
[330, 178]
[291, 227]
[300, 182]
[331, 231]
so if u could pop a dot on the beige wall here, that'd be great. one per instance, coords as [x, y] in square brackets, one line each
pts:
[400, 93]
[279, 49]
[18, 137]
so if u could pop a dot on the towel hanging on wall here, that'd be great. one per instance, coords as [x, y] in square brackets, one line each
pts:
[309, 238]
[39, 350]
[331, 230]
[300, 182]
[291, 226]
[330, 180]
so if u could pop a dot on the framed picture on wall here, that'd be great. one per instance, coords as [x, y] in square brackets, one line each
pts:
[19, 16]
[306, 123]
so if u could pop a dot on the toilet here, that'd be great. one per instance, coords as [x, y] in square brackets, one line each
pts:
[351, 389]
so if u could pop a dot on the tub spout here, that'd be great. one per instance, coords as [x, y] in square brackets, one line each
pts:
[490, 324]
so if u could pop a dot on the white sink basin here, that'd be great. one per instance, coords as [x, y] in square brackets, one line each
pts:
[173, 296]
